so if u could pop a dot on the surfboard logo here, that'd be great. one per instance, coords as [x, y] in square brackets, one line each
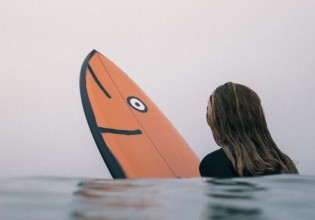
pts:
[137, 104]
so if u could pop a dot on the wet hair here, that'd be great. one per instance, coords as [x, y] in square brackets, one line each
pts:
[238, 125]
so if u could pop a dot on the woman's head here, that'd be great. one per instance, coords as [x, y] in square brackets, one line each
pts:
[234, 110]
[238, 124]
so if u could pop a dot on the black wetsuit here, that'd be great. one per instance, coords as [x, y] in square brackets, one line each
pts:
[217, 164]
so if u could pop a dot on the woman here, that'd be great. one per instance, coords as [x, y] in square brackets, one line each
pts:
[238, 125]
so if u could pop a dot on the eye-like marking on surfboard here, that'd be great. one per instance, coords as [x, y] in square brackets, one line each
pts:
[134, 138]
[137, 104]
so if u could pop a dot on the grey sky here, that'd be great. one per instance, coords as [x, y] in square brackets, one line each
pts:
[177, 51]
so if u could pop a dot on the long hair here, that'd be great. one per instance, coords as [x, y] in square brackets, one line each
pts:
[238, 125]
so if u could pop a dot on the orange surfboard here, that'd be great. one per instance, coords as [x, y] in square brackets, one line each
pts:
[133, 136]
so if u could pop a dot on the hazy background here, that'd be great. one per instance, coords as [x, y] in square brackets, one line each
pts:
[177, 51]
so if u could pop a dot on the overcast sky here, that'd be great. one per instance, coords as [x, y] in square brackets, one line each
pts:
[177, 51]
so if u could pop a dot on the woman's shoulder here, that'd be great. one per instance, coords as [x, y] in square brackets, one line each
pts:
[214, 157]
[216, 164]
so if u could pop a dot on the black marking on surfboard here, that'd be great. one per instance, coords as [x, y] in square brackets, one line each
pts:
[123, 132]
[109, 159]
[97, 81]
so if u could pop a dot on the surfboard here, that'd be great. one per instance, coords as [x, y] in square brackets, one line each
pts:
[133, 136]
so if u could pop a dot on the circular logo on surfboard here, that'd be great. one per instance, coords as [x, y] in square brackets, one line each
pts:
[137, 104]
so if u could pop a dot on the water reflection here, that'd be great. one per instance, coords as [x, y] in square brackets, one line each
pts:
[168, 199]
[108, 199]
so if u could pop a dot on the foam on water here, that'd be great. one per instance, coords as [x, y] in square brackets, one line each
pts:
[270, 197]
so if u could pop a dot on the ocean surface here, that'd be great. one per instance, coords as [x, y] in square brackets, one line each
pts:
[289, 197]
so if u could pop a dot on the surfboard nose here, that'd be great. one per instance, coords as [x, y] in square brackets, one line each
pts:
[109, 106]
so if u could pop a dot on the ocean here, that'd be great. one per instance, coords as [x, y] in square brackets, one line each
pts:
[289, 197]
